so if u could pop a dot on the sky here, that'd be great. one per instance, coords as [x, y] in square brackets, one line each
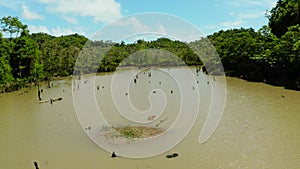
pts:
[86, 17]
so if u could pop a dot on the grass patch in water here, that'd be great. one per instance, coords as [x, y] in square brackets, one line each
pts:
[132, 132]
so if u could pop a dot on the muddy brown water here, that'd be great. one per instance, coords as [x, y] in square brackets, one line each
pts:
[259, 129]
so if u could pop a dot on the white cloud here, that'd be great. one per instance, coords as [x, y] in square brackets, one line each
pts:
[123, 28]
[70, 19]
[162, 29]
[58, 31]
[247, 3]
[189, 36]
[232, 24]
[146, 27]
[13, 5]
[28, 14]
[100, 10]
[38, 29]
[62, 31]
[252, 15]
[134, 22]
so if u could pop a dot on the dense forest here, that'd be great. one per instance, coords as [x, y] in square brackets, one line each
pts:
[270, 54]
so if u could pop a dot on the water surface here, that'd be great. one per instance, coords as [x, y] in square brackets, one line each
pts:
[259, 129]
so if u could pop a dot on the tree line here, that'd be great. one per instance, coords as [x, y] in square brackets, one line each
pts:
[270, 54]
[30, 58]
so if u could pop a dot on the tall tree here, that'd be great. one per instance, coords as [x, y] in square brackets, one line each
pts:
[5, 69]
[286, 13]
[24, 53]
[13, 25]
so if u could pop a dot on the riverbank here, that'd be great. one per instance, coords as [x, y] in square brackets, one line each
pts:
[293, 84]
[28, 85]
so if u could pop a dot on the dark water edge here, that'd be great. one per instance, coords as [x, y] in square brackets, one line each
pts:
[279, 82]
[28, 85]
[292, 84]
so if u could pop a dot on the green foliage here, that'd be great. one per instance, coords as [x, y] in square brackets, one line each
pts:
[131, 132]
[286, 13]
[25, 54]
[59, 54]
[290, 45]
[261, 56]
[12, 25]
[271, 54]
[169, 53]
[6, 77]
[20, 56]
[41, 38]
[240, 51]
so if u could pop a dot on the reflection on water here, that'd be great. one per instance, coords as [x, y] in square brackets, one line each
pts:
[259, 129]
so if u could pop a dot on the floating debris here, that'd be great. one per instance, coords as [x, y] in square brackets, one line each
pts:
[54, 100]
[44, 101]
[161, 121]
[172, 155]
[151, 118]
[26, 91]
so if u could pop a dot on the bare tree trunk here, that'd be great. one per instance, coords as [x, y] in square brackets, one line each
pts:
[49, 85]
[36, 165]
[39, 92]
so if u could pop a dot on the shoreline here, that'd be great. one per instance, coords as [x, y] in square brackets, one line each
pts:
[288, 85]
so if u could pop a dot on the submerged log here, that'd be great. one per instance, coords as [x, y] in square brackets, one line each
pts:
[44, 101]
[161, 121]
[54, 100]
[51, 100]
[172, 155]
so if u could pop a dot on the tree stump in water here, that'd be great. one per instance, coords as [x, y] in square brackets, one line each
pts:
[113, 155]
[36, 165]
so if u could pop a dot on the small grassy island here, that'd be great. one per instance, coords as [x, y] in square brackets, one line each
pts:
[132, 132]
[129, 133]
